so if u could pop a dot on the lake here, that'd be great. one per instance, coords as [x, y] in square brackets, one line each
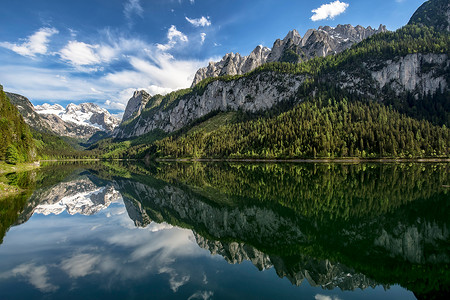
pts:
[121, 230]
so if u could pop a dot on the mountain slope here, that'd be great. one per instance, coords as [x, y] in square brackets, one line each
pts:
[17, 143]
[433, 13]
[411, 62]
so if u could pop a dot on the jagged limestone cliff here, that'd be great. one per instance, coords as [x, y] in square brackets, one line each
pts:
[293, 48]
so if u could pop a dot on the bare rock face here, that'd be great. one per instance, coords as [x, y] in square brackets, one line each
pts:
[135, 105]
[233, 64]
[249, 94]
[293, 48]
[28, 112]
[414, 71]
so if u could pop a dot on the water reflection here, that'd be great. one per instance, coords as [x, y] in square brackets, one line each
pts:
[335, 227]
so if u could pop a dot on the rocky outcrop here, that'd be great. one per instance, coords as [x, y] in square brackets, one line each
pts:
[293, 48]
[28, 112]
[135, 105]
[423, 73]
[249, 94]
[233, 64]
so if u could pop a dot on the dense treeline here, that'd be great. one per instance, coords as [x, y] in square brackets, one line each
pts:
[17, 144]
[324, 128]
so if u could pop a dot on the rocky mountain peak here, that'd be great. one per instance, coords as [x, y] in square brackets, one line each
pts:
[135, 105]
[293, 35]
[321, 42]
[79, 118]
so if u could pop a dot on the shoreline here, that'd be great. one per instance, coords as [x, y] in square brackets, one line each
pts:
[309, 160]
[7, 190]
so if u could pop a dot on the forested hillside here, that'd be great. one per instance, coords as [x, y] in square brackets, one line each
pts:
[17, 144]
[325, 127]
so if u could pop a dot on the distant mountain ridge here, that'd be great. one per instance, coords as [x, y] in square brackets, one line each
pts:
[84, 114]
[293, 48]
[76, 121]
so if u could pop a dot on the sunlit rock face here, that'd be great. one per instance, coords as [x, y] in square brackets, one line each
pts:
[135, 105]
[292, 48]
[81, 196]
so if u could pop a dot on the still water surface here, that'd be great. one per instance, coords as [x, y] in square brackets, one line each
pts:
[227, 231]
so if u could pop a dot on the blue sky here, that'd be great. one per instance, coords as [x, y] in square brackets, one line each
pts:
[61, 51]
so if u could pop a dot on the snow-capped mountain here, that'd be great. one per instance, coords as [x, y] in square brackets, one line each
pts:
[84, 114]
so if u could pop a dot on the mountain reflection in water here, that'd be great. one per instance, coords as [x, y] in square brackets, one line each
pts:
[336, 227]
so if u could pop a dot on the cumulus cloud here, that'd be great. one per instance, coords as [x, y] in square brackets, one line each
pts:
[329, 11]
[83, 54]
[174, 36]
[133, 7]
[203, 36]
[79, 53]
[34, 44]
[201, 22]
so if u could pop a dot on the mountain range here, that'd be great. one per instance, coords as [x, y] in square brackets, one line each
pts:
[292, 48]
[80, 121]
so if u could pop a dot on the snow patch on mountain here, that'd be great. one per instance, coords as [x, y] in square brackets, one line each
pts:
[84, 114]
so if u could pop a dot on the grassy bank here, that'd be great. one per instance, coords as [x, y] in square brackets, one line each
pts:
[6, 189]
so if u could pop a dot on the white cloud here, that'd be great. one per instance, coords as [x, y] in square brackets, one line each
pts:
[174, 36]
[192, 1]
[82, 54]
[37, 276]
[203, 36]
[329, 11]
[143, 66]
[133, 7]
[201, 22]
[34, 44]
[80, 265]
